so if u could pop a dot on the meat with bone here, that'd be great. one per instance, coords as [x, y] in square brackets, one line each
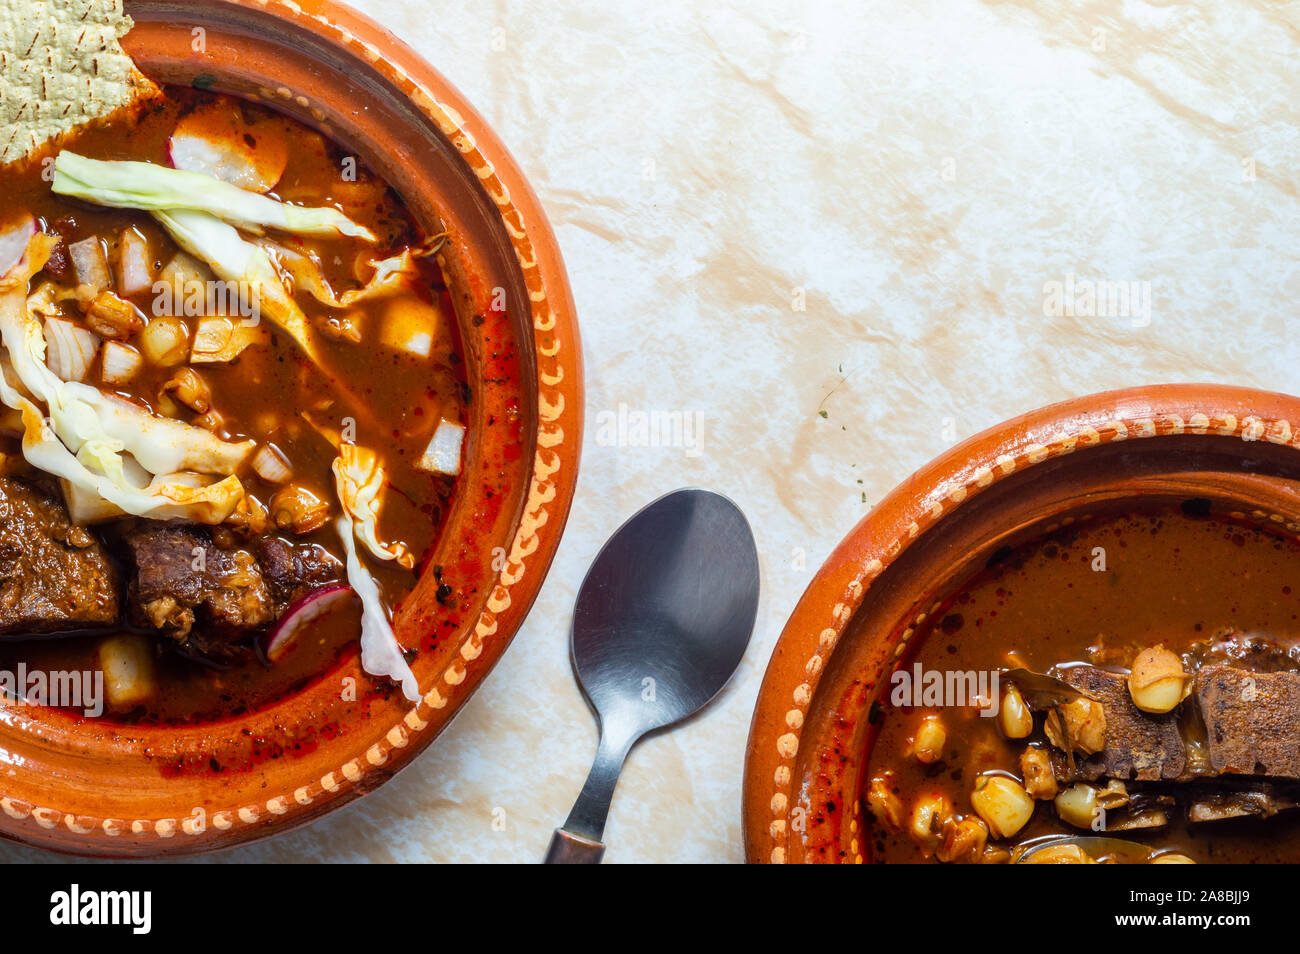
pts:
[1249, 750]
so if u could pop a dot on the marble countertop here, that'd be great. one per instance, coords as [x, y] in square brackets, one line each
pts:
[890, 213]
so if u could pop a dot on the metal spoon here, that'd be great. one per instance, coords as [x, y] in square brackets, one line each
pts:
[1097, 847]
[661, 623]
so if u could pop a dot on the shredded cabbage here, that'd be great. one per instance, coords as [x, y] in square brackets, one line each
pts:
[235, 260]
[72, 442]
[359, 480]
[162, 499]
[306, 274]
[381, 654]
[152, 187]
[162, 445]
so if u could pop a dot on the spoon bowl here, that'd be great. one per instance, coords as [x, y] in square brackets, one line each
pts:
[1097, 847]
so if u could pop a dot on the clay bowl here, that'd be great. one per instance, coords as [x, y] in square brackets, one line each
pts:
[1236, 448]
[88, 786]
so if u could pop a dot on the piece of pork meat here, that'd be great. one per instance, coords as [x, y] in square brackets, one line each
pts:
[294, 569]
[213, 599]
[54, 575]
[1138, 744]
[1250, 720]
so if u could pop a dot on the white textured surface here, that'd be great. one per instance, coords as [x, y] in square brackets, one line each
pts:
[917, 172]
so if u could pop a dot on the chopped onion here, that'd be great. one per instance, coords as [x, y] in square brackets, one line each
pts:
[90, 263]
[182, 271]
[409, 325]
[302, 614]
[71, 349]
[127, 661]
[85, 507]
[134, 276]
[13, 242]
[271, 465]
[442, 456]
[121, 362]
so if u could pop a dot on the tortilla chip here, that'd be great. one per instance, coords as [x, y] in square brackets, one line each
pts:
[61, 66]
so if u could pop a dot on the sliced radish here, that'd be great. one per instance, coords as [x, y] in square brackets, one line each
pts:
[217, 140]
[13, 242]
[299, 617]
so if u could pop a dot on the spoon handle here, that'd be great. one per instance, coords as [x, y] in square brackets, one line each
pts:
[570, 849]
[578, 840]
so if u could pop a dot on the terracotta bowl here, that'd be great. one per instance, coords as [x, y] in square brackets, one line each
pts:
[86, 786]
[811, 734]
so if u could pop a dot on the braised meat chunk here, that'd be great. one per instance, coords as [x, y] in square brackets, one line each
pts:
[292, 570]
[53, 575]
[1138, 745]
[1250, 720]
[211, 598]
[182, 578]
